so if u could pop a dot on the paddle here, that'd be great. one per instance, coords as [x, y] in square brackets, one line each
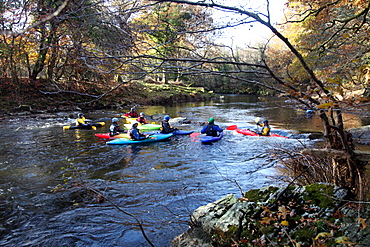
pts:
[232, 127]
[257, 121]
[195, 134]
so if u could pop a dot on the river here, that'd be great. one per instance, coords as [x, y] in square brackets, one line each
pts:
[44, 172]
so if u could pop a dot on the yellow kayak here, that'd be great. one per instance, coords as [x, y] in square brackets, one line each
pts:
[89, 127]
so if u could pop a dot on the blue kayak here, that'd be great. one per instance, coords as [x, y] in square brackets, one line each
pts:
[152, 138]
[176, 132]
[208, 139]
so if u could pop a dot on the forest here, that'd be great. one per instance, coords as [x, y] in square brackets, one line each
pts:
[94, 47]
[88, 51]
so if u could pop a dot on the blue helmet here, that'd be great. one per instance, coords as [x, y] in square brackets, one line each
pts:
[114, 120]
[166, 117]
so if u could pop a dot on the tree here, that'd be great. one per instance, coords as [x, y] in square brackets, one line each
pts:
[169, 30]
[310, 87]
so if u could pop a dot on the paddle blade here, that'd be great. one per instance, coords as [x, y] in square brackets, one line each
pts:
[93, 127]
[66, 127]
[195, 134]
[232, 127]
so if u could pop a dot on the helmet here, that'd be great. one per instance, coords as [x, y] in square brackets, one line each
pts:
[166, 117]
[114, 120]
[211, 120]
[80, 114]
[133, 108]
[135, 122]
[142, 114]
[265, 121]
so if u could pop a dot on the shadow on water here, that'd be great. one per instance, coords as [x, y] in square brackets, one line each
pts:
[44, 172]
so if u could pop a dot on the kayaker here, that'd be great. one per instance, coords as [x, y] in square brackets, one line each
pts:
[115, 129]
[211, 129]
[166, 127]
[81, 121]
[132, 113]
[265, 131]
[135, 133]
[141, 119]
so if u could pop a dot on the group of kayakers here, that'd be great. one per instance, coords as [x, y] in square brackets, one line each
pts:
[211, 129]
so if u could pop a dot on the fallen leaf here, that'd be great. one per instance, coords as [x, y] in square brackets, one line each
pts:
[323, 235]
[266, 220]
[363, 223]
[283, 211]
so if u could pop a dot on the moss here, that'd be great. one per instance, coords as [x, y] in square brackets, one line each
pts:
[304, 235]
[259, 195]
[319, 194]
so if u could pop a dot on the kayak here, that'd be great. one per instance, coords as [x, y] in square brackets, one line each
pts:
[208, 139]
[248, 132]
[152, 138]
[176, 132]
[92, 126]
[144, 126]
[107, 136]
[130, 120]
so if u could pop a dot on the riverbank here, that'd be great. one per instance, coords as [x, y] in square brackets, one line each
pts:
[44, 97]
[314, 215]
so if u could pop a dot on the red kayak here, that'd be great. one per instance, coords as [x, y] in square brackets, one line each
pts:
[107, 136]
[248, 132]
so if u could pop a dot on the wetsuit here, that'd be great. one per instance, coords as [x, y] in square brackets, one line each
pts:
[166, 127]
[136, 135]
[265, 131]
[81, 122]
[211, 130]
[132, 114]
[114, 129]
[141, 120]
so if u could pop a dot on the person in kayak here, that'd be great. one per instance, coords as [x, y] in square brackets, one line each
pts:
[135, 133]
[81, 121]
[211, 129]
[265, 131]
[132, 113]
[141, 119]
[166, 126]
[115, 129]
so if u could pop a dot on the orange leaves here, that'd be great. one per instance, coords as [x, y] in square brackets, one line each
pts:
[266, 220]
[363, 224]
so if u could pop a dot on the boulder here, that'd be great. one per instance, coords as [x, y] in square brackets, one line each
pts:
[361, 135]
[313, 215]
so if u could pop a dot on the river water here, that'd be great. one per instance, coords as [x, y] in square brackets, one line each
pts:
[44, 173]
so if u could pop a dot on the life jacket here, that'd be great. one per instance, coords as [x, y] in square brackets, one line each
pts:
[265, 131]
[132, 114]
[115, 130]
[80, 121]
[131, 134]
[141, 120]
[210, 131]
[135, 134]
[166, 128]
